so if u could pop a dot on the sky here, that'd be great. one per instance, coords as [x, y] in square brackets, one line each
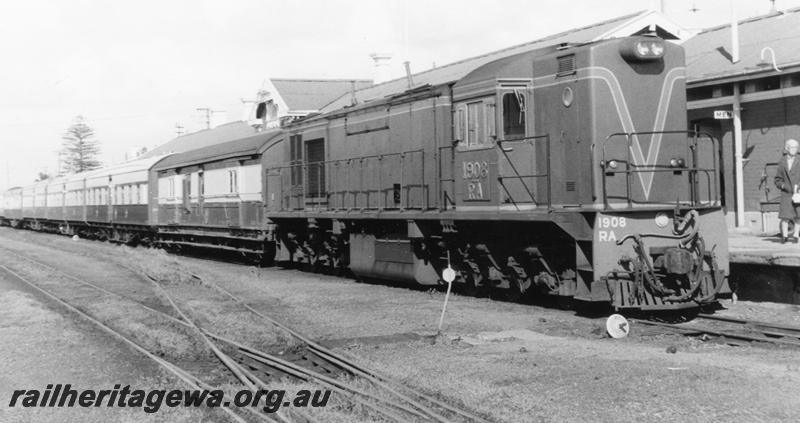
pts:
[136, 70]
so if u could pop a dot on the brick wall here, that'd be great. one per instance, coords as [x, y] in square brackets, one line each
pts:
[765, 127]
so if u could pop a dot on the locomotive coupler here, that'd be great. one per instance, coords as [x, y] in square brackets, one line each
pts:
[684, 260]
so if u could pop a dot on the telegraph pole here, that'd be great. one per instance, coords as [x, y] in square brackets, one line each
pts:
[208, 115]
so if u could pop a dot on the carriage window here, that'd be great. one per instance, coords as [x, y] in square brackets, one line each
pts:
[514, 114]
[233, 181]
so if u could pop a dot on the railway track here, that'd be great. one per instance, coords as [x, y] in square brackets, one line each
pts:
[254, 368]
[733, 331]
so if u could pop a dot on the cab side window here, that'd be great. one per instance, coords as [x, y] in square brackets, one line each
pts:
[514, 114]
[475, 126]
[475, 133]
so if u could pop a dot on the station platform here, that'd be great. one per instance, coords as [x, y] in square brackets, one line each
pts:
[748, 248]
[764, 269]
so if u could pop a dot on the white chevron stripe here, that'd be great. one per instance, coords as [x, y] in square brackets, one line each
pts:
[605, 75]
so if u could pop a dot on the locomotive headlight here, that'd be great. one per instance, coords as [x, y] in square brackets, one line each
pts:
[656, 48]
[681, 163]
[673, 162]
[612, 164]
[643, 48]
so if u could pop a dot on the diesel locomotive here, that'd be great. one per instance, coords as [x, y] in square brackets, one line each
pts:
[564, 171]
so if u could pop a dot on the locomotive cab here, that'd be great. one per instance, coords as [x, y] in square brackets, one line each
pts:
[493, 138]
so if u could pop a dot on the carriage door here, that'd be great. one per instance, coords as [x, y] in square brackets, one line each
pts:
[111, 199]
[273, 189]
[201, 191]
[518, 149]
[186, 190]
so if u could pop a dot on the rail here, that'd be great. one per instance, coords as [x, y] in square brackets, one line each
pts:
[393, 400]
[693, 169]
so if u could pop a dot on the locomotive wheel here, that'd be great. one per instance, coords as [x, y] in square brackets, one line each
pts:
[474, 284]
[517, 281]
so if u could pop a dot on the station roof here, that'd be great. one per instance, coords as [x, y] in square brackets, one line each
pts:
[313, 94]
[237, 148]
[708, 54]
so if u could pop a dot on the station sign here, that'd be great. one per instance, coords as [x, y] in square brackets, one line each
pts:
[723, 114]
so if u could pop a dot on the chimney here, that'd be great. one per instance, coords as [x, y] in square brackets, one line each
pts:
[382, 70]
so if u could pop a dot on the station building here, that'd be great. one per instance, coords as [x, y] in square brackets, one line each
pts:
[761, 89]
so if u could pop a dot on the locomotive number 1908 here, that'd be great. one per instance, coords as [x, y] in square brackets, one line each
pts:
[607, 225]
[475, 174]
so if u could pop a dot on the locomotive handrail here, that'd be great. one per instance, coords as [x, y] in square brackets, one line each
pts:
[694, 137]
[445, 198]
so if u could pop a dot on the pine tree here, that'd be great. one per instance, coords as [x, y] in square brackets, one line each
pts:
[80, 147]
